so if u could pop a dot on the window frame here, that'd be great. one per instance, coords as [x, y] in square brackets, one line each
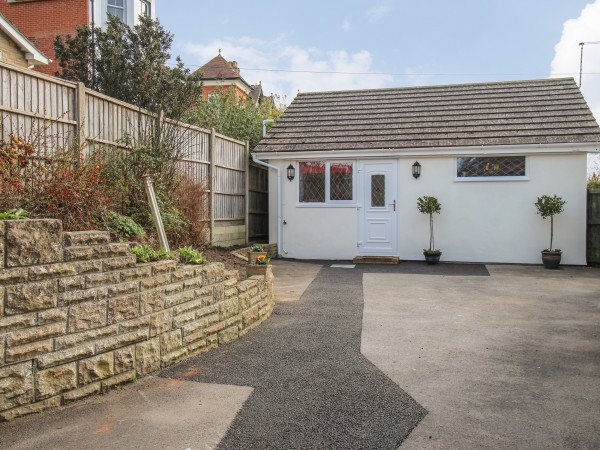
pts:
[123, 8]
[148, 5]
[499, 178]
[328, 202]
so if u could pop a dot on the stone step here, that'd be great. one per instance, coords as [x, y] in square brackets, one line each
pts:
[93, 252]
[376, 260]
[86, 238]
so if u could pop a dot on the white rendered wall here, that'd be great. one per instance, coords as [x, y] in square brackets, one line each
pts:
[481, 221]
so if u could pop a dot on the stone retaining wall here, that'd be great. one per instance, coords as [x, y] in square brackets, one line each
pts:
[78, 315]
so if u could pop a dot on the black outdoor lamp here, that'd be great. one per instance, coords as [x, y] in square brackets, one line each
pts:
[416, 169]
[291, 172]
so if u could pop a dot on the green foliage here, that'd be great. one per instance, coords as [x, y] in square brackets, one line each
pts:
[428, 251]
[13, 214]
[549, 207]
[430, 205]
[189, 255]
[256, 248]
[129, 63]
[124, 226]
[262, 260]
[593, 180]
[144, 253]
[235, 117]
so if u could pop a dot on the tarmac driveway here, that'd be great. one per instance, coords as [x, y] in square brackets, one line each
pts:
[509, 360]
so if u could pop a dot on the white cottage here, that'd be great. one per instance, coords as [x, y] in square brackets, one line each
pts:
[344, 181]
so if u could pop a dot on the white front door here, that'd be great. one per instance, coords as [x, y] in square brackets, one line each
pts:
[377, 218]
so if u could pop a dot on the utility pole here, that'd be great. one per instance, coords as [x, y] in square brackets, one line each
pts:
[581, 44]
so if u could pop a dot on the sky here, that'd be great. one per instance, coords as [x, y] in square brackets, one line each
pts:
[287, 45]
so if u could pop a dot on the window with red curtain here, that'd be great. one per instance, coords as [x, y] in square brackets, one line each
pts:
[340, 181]
[312, 182]
[317, 176]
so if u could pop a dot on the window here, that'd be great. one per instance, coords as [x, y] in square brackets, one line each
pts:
[326, 182]
[491, 167]
[116, 8]
[145, 8]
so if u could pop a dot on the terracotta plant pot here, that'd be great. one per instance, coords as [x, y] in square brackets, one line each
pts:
[253, 255]
[551, 260]
[432, 258]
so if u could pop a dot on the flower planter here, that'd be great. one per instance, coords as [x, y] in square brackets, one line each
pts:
[253, 255]
[432, 258]
[551, 260]
[259, 269]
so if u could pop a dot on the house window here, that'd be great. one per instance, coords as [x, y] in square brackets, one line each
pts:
[491, 167]
[326, 182]
[145, 8]
[116, 8]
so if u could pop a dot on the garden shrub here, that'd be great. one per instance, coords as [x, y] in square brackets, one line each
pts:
[124, 226]
[189, 255]
[144, 253]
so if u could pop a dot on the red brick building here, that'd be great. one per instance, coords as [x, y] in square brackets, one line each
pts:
[42, 20]
[16, 49]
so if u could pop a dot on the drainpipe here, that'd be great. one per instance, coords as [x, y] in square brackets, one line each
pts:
[265, 125]
[279, 230]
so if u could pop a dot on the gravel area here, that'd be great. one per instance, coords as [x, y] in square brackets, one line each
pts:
[312, 386]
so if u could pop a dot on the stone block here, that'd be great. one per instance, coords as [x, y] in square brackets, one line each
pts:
[212, 341]
[33, 408]
[83, 267]
[195, 283]
[228, 308]
[71, 284]
[177, 299]
[27, 351]
[96, 368]
[231, 275]
[121, 378]
[197, 347]
[13, 276]
[246, 285]
[73, 254]
[29, 242]
[142, 323]
[64, 356]
[1, 302]
[125, 359]
[30, 297]
[155, 281]
[1, 244]
[122, 262]
[70, 297]
[170, 341]
[87, 315]
[210, 310]
[129, 287]
[82, 392]
[244, 300]
[110, 251]
[123, 308]
[55, 380]
[250, 316]
[213, 329]
[16, 385]
[137, 273]
[174, 356]
[152, 301]
[230, 292]
[2, 348]
[74, 238]
[181, 320]
[77, 339]
[160, 322]
[161, 267]
[39, 333]
[102, 279]
[172, 289]
[218, 292]
[187, 306]
[49, 271]
[212, 273]
[147, 356]
[229, 334]
[10, 323]
[121, 340]
[183, 273]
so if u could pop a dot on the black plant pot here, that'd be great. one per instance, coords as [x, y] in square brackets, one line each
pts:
[432, 258]
[551, 260]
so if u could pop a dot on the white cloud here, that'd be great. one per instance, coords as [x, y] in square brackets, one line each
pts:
[375, 14]
[251, 53]
[346, 25]
[567, 54]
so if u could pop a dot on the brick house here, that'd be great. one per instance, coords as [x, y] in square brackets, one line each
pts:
[16, 49]
[42, 20]
[219, 74]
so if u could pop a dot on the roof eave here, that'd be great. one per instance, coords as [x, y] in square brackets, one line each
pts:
[31, 53]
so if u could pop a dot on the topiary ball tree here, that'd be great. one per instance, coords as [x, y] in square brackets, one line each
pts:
[549, 207]
[429, 205]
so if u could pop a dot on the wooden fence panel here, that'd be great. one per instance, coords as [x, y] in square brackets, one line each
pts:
[258, 223]
[593, 226]
[31, 102]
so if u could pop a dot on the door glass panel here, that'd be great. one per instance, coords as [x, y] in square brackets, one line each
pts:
[377, 190]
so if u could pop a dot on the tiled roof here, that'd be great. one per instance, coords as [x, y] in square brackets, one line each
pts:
[219, 68]
[256, 92]
[548, 111]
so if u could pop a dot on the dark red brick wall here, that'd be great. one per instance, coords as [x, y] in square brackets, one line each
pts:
[42, 20]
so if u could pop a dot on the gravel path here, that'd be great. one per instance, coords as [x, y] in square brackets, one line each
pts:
[312, 386]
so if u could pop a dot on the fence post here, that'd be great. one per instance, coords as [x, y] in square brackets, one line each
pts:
[81, 139]
[211, 186]
[247, 197]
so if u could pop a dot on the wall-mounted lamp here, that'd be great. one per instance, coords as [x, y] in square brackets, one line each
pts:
[291, 172]
[416, 169]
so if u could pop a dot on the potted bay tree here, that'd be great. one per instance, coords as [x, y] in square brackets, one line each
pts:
[430, 205]
[549, 207]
